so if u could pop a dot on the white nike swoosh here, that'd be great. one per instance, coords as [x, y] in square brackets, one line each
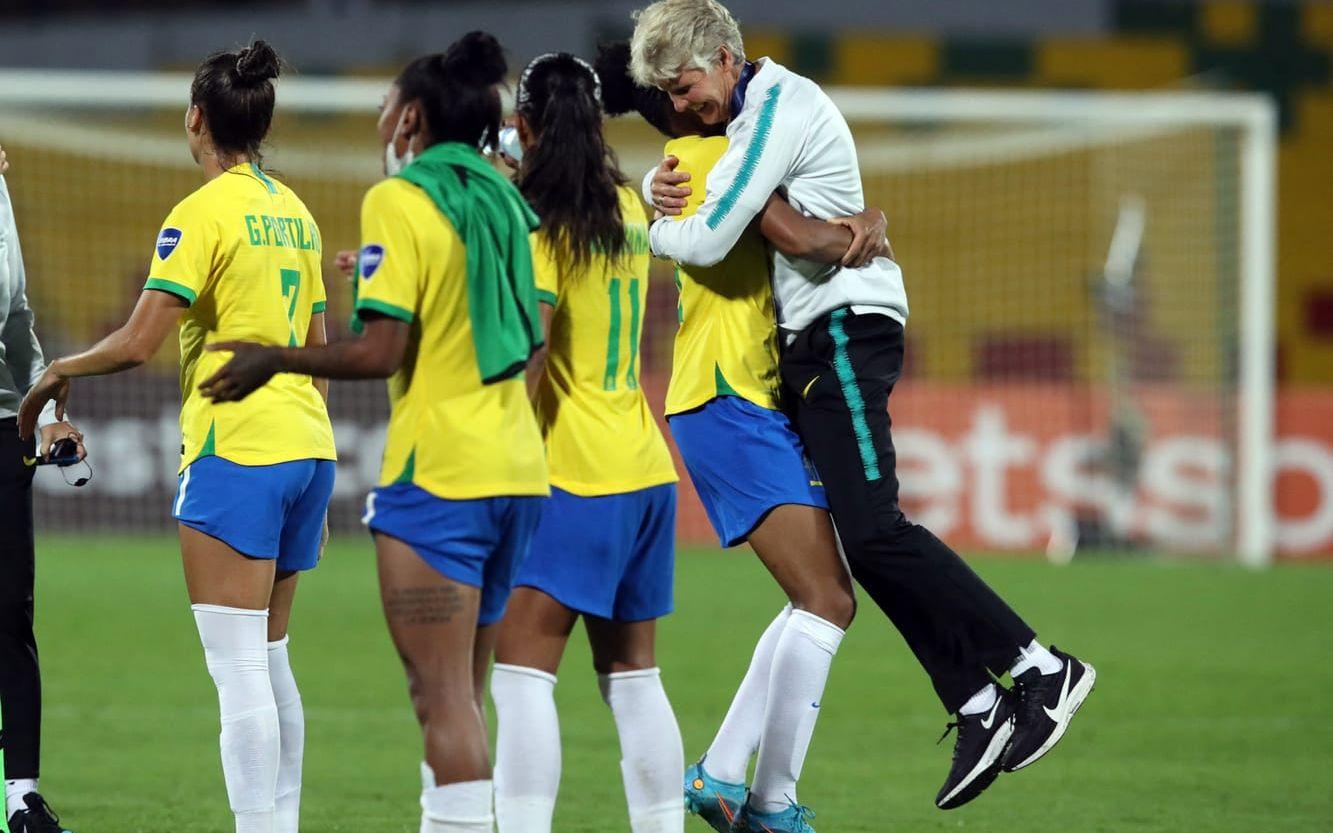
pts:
[989, 719]
[1064, 693]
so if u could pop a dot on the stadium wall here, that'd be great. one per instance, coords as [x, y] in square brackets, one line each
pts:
[991, 467]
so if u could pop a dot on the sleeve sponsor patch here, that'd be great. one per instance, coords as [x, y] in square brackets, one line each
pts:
[167, 241]
[372, 255]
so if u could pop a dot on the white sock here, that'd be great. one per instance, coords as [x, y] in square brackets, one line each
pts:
[527, 748]
[651, 754]
[737, 739]
[801, 664]
[1036, 656]
[236, 651]
[15, 789]
[291, 733]
[982, 700]
[464, 807]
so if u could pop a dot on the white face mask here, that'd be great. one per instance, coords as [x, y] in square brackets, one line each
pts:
[509, 143]
[393, 163]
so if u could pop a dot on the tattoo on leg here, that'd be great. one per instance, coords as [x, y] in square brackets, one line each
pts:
[423, 605]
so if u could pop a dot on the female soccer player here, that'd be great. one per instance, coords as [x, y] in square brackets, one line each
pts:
[843, 356]
[446, 297]
[237, 259]
[749, 468]
[605, 546]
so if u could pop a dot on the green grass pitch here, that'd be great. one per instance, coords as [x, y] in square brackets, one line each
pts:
[1210, 712]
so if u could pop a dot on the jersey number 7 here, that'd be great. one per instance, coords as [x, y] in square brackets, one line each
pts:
[291, 287]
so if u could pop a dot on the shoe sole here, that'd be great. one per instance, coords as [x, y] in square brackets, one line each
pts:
[983, 774]
[1076, 697]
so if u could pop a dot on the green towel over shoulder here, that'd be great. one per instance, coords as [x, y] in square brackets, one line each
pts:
[494, 220]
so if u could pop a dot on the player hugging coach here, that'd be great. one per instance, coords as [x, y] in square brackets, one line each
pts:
[841, 333]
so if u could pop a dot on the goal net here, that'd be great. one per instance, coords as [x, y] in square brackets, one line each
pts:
[1090, 276]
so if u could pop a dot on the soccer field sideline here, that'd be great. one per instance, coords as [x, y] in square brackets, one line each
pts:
[1208, 715]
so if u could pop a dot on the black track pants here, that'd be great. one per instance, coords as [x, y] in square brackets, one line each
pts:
[837, 376]
[20, 683]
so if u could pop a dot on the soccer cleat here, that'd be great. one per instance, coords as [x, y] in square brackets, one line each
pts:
[794, 819]
[716, 802]
[1046, 704]
[38, 818]
[977, 751]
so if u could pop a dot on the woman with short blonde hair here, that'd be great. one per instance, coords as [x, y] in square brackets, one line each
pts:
[682, 34]
[843, 333]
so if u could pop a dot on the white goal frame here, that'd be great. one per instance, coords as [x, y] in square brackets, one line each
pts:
[1253, 115]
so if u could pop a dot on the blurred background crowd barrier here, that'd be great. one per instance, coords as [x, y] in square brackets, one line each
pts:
[1112, 217]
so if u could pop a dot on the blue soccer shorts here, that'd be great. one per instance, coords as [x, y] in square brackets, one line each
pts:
[270, 512]
[479, 542]
[609, 556]
[744, 461]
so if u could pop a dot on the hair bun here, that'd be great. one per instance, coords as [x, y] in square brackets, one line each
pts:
[257, 63]
[476, 58]
[612, 67]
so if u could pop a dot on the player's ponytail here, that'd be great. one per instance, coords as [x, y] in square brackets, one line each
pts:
[235, 92]
[570, 176]
[456, 90]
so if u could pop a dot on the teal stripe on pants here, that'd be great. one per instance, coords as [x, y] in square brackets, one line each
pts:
[842, 365]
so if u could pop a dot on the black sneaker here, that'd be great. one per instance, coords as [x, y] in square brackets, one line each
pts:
[977, 751]
[38, 818]
[1045, 705]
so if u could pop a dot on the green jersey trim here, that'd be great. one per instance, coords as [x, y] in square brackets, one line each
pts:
[546, 296]
[318, 307]
[720, 383]
[384, 308]
[185, 293]
[263, 177]
[409, 469]
[209, 448]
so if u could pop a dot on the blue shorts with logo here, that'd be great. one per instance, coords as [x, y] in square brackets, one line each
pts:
[479, 542]
[270, 512]
[609, 556]
[745, 461]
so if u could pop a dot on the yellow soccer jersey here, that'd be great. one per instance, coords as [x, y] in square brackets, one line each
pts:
[727, 341]
[244, 253]
[601, 438]
[448, 433]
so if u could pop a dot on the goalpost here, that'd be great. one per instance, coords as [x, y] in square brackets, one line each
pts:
[1091, 347]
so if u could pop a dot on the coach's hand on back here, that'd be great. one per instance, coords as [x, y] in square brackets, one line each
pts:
[669, 192]
[4, 161]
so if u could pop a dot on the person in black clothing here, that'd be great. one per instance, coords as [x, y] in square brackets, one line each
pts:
[20, 681]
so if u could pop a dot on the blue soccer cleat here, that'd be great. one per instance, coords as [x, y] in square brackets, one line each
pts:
[716, 802]
[794, 819]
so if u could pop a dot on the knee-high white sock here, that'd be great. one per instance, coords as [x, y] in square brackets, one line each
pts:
[527, 748]
[651, 755]
[291, 733]
[801, 664]
[457, 808]
[737, 739]
[236, 651]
